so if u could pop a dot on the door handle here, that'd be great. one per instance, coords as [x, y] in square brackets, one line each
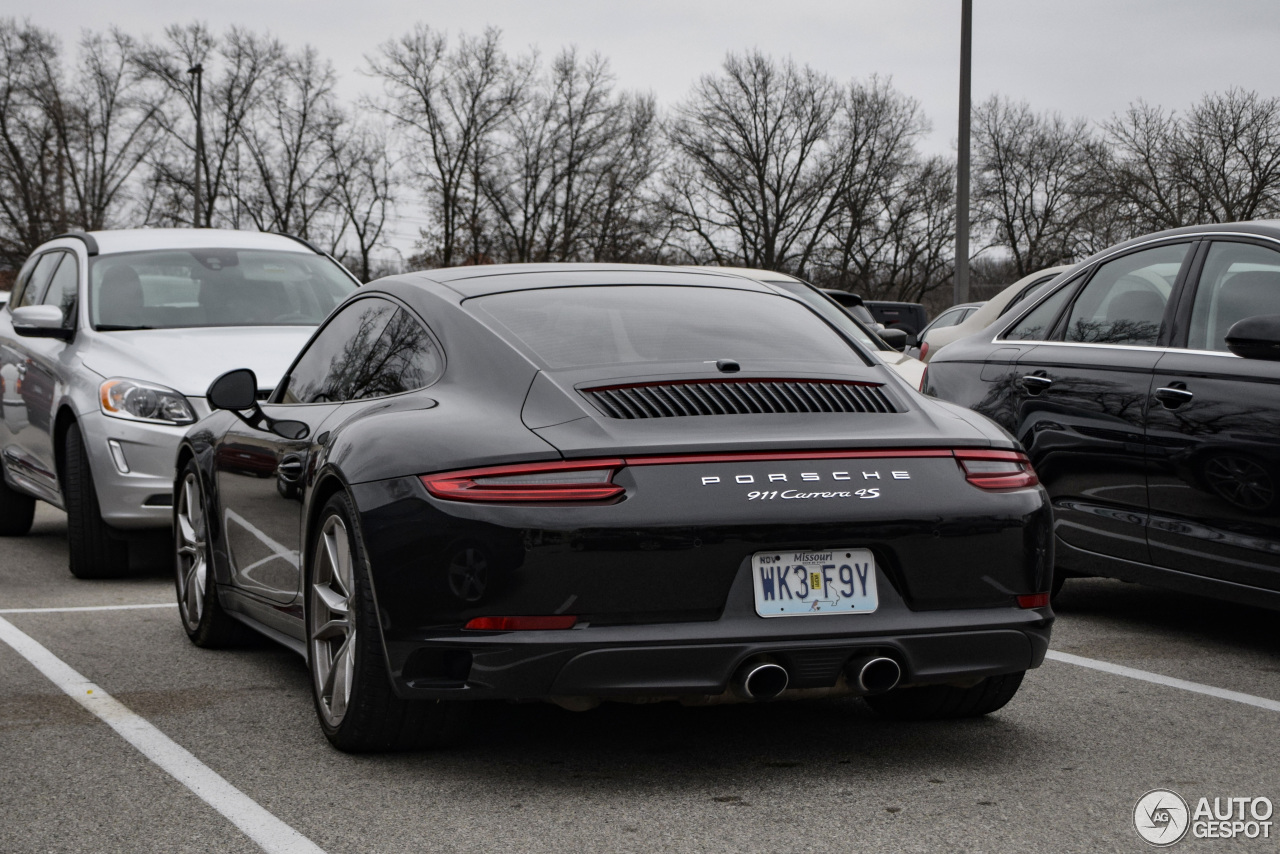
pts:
[1173, 395]
[1034, 383]
[290, 468]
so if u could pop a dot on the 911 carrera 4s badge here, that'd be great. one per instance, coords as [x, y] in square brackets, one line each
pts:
[804, 583]
[800, 494]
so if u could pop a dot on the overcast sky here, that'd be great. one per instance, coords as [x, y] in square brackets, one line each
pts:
[1080, 57]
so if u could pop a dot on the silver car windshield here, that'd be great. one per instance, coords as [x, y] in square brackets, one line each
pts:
[182, 288]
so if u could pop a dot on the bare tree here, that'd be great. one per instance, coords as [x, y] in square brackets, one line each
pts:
[287, 148]
[1032, 181]
[239, 69]
[753, 169]
[32, 169]
[364, 180]
[450, 102]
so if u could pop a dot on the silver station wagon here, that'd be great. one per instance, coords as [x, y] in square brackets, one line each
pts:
[107, 346]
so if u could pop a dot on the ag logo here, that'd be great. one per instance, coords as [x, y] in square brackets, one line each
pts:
[1161, 817]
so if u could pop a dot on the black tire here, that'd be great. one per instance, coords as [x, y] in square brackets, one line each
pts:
[17, 511]
[370, 717]
[95, 550]
[944, 702]
[201, 614]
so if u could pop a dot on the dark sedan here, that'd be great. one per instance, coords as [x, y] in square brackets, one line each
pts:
[582, 483]
[1146, 390]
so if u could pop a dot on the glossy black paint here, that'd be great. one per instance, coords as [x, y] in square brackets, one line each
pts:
[659, 579]
[1162, 461]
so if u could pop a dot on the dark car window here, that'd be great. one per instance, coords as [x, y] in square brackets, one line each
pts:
[62, 290]
[181, 288]
[20, 282]
[1038, 325]
[1124, 301]
[833, 312]
[337, 364]
[40, 276]
[1026, 292]
[611, 325]
[1239, 280]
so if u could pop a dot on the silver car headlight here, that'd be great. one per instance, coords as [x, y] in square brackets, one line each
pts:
[135, 400]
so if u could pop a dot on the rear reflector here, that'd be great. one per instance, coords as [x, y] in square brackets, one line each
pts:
[520, 624]
[573, 480]
[1034, 600]
[924, 350]
[997, 469]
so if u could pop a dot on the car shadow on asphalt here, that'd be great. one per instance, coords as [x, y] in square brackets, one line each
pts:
[1151, 609]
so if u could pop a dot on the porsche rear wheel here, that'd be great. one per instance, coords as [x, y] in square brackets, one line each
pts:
[358, 710]
[943, 702]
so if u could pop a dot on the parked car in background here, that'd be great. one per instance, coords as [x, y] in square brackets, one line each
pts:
[1145, 385]
[945, 319]
[987, 313]
[910, 317]
[588, 482]
[106, 349]
[847, 316]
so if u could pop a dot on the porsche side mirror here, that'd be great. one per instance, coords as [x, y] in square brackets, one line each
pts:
[237, 392]
[41, 321]
[1255, 338]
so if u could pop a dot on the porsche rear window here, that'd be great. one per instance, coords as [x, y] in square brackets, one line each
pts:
[610, 325]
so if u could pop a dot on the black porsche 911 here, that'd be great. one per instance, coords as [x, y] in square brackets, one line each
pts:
[579, 483]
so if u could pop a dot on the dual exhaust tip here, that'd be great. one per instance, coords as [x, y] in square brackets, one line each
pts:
[764, 679]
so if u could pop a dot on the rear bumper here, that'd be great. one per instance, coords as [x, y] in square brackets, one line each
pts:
[700, 658]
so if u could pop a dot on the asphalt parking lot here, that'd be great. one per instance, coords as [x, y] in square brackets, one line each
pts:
[1058, 769]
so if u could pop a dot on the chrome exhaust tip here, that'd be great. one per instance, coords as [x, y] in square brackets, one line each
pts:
[760, 680]
[874, 675]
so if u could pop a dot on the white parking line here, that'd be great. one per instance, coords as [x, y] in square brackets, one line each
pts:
[86, 608]
[1168, 681]
[269, 832]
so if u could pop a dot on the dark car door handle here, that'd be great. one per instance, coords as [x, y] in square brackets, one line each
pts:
[290, 467]
[1173, 396]
[1034, 383]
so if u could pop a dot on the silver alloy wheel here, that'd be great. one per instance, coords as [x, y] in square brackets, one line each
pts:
[193, 552]
[330, 627]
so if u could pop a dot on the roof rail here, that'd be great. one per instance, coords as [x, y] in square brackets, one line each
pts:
[90, 245]
[303, 241]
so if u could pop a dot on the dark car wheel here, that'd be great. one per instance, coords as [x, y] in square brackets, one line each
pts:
[203, 618]
[95, 550]
[942, 702]
[16, 511]
[357, 707]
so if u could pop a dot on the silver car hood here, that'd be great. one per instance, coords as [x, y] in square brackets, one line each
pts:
[187, 360]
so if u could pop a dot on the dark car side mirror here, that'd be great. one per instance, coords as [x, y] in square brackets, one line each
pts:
[237, 392]
[1256, 338]
[895, 338]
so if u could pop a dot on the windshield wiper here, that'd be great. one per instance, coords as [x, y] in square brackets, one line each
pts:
[119, 327]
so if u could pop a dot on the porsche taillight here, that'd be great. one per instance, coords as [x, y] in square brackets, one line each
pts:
[997, 469]
[574, 480]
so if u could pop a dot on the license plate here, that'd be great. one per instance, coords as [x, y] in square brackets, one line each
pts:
[803, 583]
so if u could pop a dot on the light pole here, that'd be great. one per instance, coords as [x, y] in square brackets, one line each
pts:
[197, 71]
[961, 293]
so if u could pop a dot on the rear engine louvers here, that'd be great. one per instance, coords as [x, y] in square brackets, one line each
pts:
[738, 397]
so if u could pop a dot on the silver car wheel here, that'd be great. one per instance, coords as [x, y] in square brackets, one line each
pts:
[330, 627]
[193, 552]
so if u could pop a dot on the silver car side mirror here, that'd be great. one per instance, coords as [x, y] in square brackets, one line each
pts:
[41, 321]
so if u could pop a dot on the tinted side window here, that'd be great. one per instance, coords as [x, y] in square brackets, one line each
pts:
[63, 289]
[338, 362]
[1124, 301]
[403, 359]
[1026, 292]
[1239, 280]
[1037, 325]
[40, 276]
